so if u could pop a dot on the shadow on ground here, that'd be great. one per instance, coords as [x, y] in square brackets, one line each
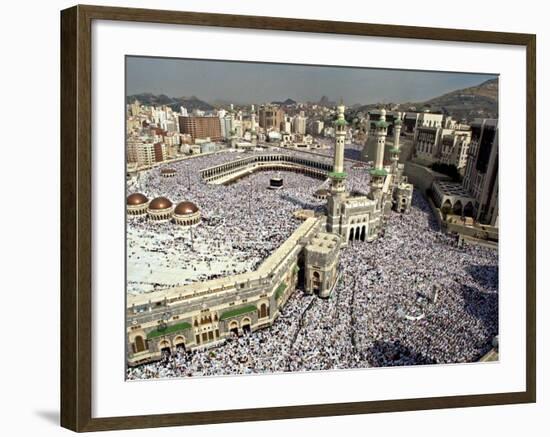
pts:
[394, 353]
[483, 306]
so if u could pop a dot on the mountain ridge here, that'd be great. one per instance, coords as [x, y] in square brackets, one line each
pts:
[478, 101]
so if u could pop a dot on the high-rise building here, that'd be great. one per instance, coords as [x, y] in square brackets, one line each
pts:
[221, 115]
[429, 119]
[299, 123]
[443, 145]
[286, 125]
[481, 175]
[169, 125]
[316, 127]
[201, 127]
[135, 108]
[453, 147]
[271, 117]
[145, 153]
[253, 132]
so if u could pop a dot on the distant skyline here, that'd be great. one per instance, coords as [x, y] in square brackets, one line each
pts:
[245, 82]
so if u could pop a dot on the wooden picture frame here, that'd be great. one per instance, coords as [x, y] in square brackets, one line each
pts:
[76, 217]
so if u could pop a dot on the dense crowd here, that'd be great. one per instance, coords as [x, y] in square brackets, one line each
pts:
[410, 297]
[241, 224]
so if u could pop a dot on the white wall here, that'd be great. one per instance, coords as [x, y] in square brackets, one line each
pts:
[30, 281]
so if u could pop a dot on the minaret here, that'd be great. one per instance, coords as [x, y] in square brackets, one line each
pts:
[232, 130]
[233, 138]
[253, 132]
[337, 175]
[378, 173]
[395, 150]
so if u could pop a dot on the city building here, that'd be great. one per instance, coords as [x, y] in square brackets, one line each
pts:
[253, 128]
[270, 117]
[429, 119]
[316, 127]
[299, 123]
[286, 125]
[145, 153]
[481, 174]
[135, 108]
[201, 127]
[453, 148]
[441, 140]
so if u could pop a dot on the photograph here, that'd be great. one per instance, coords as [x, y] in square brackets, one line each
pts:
[275, 218]
[292, 218]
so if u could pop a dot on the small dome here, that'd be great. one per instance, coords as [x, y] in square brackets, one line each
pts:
[136, 199]
[185, 208]
[160, 203]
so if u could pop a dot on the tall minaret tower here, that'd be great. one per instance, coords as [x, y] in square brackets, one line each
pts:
[378, 173]
[232, 130]
[253, 132]
[395, 150]
[337, 175]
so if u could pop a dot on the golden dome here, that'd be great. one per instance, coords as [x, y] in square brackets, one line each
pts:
[136, 199]
[185, 208]
[160, 203]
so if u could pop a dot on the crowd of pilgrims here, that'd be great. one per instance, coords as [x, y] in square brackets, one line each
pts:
[241, 223]
[411, 297]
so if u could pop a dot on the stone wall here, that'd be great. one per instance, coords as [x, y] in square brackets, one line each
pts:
[422, 177]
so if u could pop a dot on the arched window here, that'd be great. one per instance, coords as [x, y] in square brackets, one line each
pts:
[457, 208]
[469, 210]
[264, 311]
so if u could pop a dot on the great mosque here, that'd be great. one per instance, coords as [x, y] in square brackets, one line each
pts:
[203, 314]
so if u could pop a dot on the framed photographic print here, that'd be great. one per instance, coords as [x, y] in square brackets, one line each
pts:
[268, 218]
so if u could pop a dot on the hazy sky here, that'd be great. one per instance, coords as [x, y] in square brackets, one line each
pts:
[243, 82]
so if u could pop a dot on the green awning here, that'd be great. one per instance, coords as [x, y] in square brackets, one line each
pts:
[237, 312]
[337, 175]
[168, 330]
[378, 172]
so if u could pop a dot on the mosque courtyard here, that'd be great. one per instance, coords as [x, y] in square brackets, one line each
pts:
[382, 312]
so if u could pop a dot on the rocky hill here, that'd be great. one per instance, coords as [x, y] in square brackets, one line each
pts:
[480, 101]
[468, 103]
[190, 103]
[287, 102]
